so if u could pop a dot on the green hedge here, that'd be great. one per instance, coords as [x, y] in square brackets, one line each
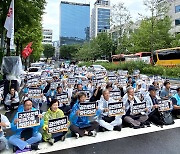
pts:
[143, 67]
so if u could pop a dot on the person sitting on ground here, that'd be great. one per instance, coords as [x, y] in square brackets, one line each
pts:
[25, 137]
[131, 82]
[53, 113]
[176, 104]
[4, 124]
[64, 105]
[96, 93]
[75, 94]
[11, 100]
[51, 94]
[106, 121]
[151, 100]
[135, 121]
[166, 91]
[81, 125]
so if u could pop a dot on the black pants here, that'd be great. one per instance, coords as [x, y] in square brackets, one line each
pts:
[176, 112]
[93, 126]
[66, 109]
[58, 136]
[155, 117]
[11, 107]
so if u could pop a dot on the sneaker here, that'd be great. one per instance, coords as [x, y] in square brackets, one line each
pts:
[35, 147]
[15, 148]
[117, 128]
[178, 116]
[142, 125]
[51, 141]
[63, 138]
[77, 135]
[92, 133]
[136, 127]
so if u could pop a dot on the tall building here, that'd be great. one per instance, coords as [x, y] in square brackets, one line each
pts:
[100, 17]
[74, 23]
[47, 36]
[174, 13]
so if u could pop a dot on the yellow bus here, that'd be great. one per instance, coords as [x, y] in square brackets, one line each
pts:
[167, 57]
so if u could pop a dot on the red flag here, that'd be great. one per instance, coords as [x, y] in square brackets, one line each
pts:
[27, 51]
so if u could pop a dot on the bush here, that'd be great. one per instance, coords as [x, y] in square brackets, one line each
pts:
[144, 68]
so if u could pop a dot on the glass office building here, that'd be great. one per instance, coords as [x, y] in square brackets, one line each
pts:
[100, 17]
[74, 23]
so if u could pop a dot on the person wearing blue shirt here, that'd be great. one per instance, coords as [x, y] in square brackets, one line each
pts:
[22, 139]
[81, 125]
[166, 91]
[176, 104]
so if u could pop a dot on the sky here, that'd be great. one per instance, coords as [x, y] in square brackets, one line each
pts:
[51, 15]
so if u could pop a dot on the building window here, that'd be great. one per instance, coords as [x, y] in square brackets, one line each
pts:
[177, 22]
[177, 9]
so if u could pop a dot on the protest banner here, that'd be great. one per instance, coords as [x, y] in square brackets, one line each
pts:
[58, 125]
[137, 108]
[28, 119]
[87, 92]
[62, 98]
[116, 109]
[164, 105]
[112, 78]
[115, 95]
[34, 93]
[1, 91]
[88, 109]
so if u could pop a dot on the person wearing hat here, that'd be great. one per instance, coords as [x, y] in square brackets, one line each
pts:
[165, 92]
[176, 104]
[151, 100]
[4, 124]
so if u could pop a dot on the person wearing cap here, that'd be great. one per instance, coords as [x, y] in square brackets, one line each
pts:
[176, 104]
[165, 92]
[106, 121]
[134, 121]
[4, 124]
[151, 100]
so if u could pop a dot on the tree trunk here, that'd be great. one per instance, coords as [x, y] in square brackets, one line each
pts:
[17, 47]
[8, 47]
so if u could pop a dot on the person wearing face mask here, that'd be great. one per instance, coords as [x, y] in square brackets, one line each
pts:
[81, 125]
[53, 113]
[105, 121]
[51, 94]
[25, 138]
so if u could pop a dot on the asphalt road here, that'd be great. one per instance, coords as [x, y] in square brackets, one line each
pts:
[162, 142]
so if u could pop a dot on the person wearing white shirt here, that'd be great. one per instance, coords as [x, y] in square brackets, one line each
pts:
[11, 100]
[105, 121]
[4, 124]
[135, 121]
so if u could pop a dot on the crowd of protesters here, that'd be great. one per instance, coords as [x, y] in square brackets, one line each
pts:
[81, 86]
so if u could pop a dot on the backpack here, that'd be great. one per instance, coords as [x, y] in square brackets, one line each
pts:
[167, 118]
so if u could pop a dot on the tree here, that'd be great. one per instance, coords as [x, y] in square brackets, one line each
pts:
[121, 23]
[48, 51]
[159, 10]
[69, 51]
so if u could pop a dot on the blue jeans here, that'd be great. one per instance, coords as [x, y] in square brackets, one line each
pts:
[16, 140]
[2, 138]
